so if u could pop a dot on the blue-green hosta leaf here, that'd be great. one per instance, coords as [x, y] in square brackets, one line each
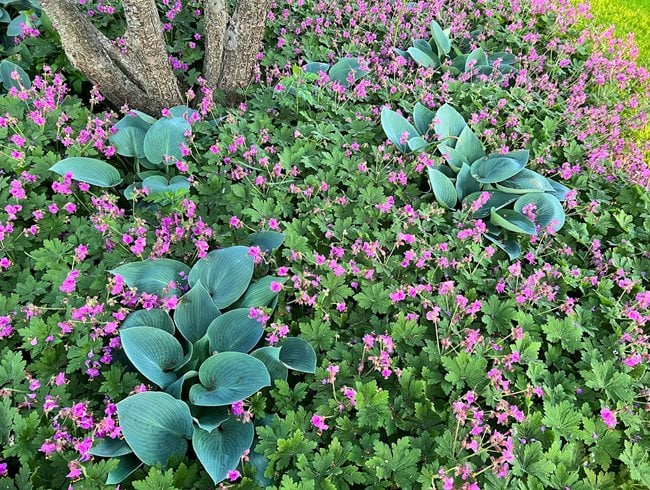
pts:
[129, 141]
[209, 418]
[424, 46]
[440, 39]
[423, 59]
[404, 54]
[260, 293]
[88, 170]
[182, 111]
[127, 465]
[164, 139]
[423, 118]
[298, 355]
[395, 125]
[225, 273]
[524, 182]
[454, 158]
[270, 356]
[560, 191]
[266, 240]
[235, 330]
[154, 352]
[6, 69]
[228, 377]
[176, 388]
[194, 313]
[510, 247]
[146, 118]
[450, 124]
[154, 276]
[512, 221]
[220, 450]
[341, 69]
[155, 425]
[14, 29]
[155, 318]
[479, 56]
[520, 156]
[417, 144]
[506, 58]
[489, 170]
[316, 67]
[110, 448]
[157, 184]
[548, 209]
[5, 18]
[459, 62]
[469, 145]
[465, 183]
[443, 188]
[497, 200]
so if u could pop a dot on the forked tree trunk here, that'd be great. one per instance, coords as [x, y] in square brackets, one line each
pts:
[232, 42]
[142, 76]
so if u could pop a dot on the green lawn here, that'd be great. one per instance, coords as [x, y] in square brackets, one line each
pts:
[628, 16]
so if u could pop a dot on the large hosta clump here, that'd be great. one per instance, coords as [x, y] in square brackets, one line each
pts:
[204, 358]
[516, 200]
[155, 145]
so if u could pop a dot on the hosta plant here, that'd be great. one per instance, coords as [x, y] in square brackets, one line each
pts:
[343, 71]
[432, 53]
[154, 144]
[498, 185]
[204, 359]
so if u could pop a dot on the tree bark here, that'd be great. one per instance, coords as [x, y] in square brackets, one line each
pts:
[142, 77]
[232, 43]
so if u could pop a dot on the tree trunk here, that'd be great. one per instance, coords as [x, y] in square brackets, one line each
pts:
[142, 77]
[232, 43]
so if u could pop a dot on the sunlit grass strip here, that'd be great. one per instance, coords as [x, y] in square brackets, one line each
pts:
[628, 16]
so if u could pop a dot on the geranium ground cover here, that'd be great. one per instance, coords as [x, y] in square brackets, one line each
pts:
[441, 358]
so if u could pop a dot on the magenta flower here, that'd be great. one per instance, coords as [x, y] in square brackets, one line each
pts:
[609, 417]
[318, 421]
